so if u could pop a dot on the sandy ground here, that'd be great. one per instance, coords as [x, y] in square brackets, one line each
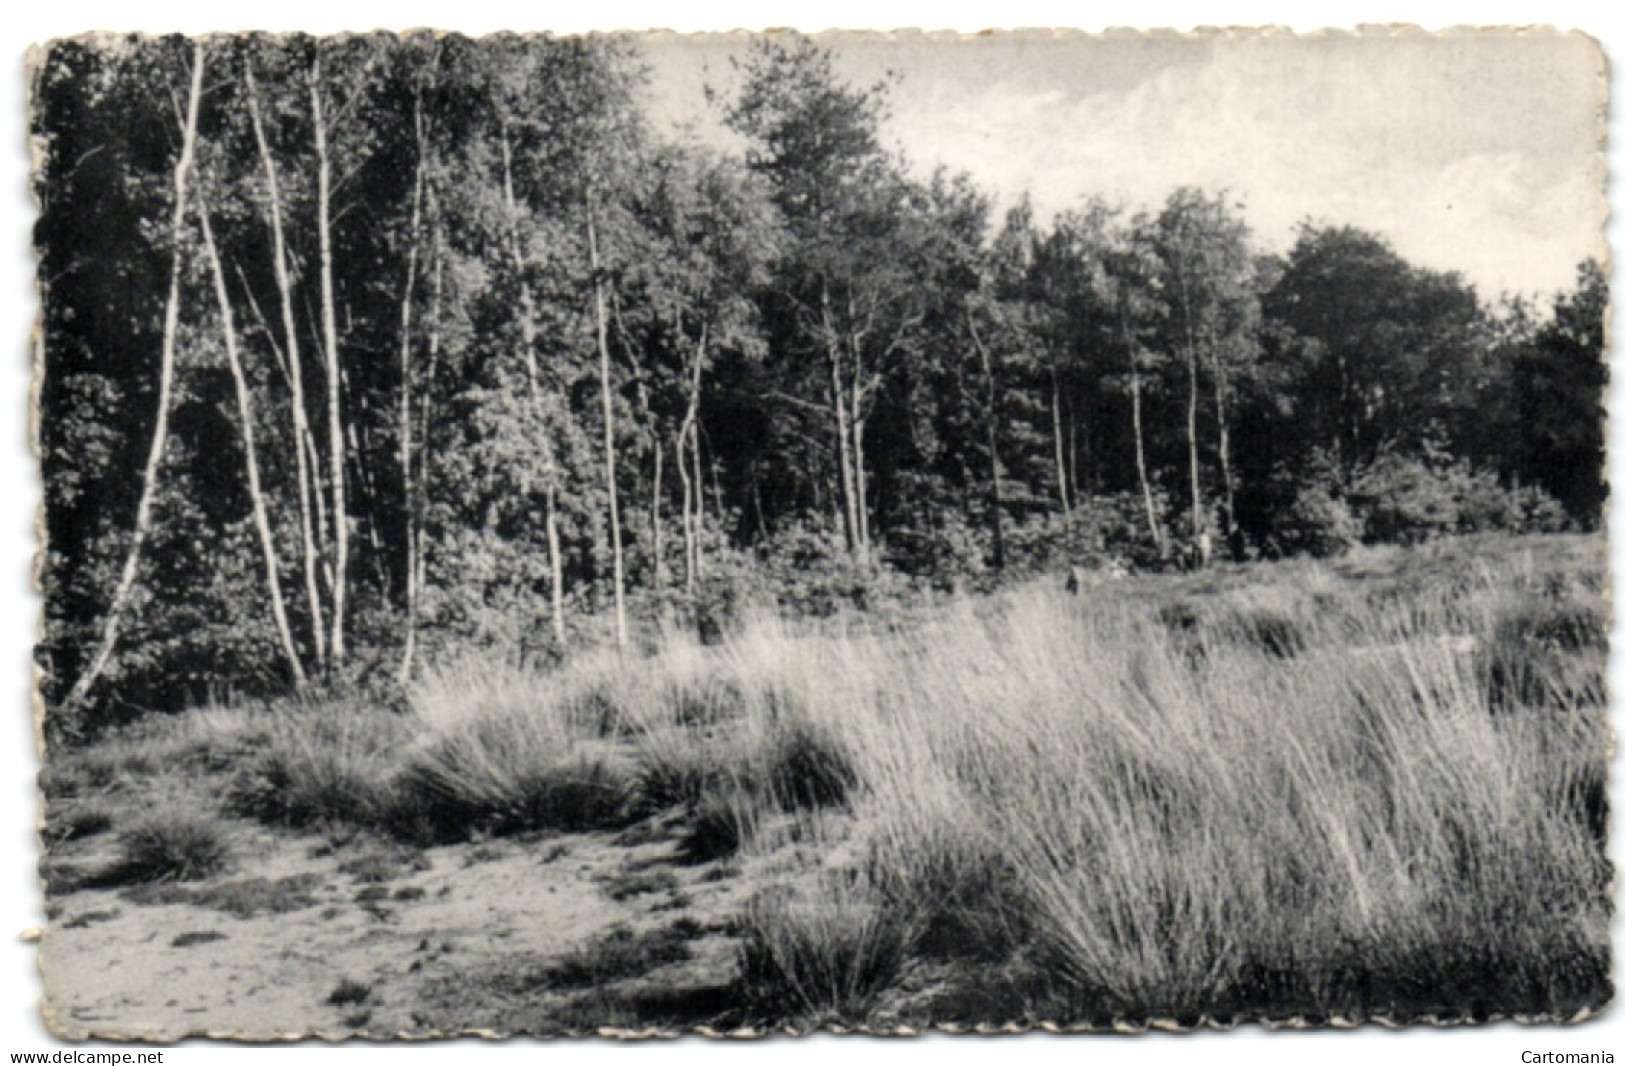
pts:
[424, 944]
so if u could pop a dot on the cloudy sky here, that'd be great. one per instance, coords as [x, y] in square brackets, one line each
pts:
[1476, 152]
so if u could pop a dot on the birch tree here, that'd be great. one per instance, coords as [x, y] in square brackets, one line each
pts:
[166, 376]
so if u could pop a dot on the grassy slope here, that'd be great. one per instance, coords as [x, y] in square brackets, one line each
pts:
[1296, 790]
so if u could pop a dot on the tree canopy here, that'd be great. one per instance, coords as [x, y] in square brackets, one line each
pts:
[460, 348]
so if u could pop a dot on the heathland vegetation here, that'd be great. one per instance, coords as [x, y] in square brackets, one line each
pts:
[1290, 790]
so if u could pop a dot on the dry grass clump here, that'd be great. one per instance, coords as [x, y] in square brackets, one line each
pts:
[76, 819]
[504, 750]
[170, 843]
[823, 947]
[1327, 809]
[619, 955]
[323, 764]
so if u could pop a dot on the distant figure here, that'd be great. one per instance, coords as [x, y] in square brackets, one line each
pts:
[1076, 580]
[1204, 549]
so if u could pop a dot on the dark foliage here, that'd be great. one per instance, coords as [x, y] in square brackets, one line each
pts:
[828, 383]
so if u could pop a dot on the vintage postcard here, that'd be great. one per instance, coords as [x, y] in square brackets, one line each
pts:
[749, 534]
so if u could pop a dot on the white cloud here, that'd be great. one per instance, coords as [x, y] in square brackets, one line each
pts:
[1400, 144]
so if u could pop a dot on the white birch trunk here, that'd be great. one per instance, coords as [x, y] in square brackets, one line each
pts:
[609, 427]
[330, 344]
[251, 463]
[160, 432]
[307, 466]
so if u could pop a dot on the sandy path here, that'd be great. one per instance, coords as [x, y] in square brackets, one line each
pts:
[113, 968]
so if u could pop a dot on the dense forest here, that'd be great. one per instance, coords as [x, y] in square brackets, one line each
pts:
[357, 349]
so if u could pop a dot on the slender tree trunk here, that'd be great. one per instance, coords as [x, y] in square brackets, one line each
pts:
[527, 336]
[860, 479]
[843, 437]
[692, 502]
[1190, 438]
[1226, 476]
[1198, 525]
[645, 412]
[1055, 436]
[656, 546]
[416, 556]
[1347, 435]
[160, 432]
[996, 503]
[251, 463]
[609, 425]
[716, 479]
[699, 493]
[330, 345]
[408, 491]
[683, 476]
[1139, 455]
[306, 466]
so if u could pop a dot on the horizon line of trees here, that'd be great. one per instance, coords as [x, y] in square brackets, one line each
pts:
[353, 345]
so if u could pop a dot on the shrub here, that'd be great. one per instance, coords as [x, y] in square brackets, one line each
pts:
[1409, 498]
[171, 843]
[950, 549]
[1319, 523]
[1486, 506]
[812, 575]
[1414, 497]
[1099, 529]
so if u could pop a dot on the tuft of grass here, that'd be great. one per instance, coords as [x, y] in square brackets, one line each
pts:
[377, 865]
[616, 956]
[322, 765]
[89, 918]
[76, 820]
[171, 843]
[630, 884]
[808, 767]
[825, 948]
[463, 786]
[1546, 652]
[261, 895]
[349, 993]
[240, 899]
[504, 750]
[717, 826]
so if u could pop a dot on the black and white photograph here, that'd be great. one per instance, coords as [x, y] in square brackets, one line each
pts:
[639, 533]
